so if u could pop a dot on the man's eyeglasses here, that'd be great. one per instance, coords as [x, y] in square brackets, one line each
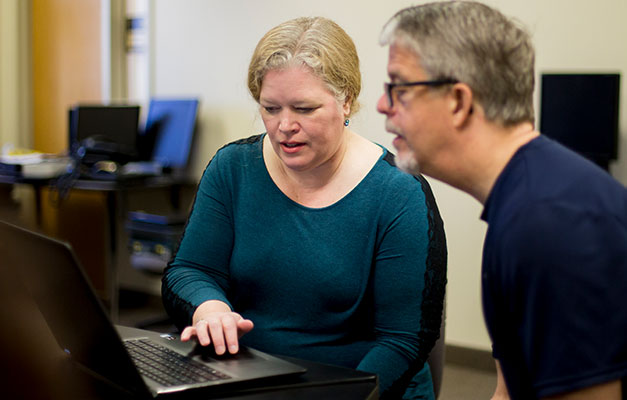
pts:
[389, 87]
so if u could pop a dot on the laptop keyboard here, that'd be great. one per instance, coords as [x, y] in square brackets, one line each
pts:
[168, 367]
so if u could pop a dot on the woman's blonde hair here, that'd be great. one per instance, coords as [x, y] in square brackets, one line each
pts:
[318, 43]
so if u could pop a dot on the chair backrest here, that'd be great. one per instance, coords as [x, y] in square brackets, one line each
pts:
[438, 256]
[437, 357]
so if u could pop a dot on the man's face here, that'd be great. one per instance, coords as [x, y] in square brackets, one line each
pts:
[417, 116]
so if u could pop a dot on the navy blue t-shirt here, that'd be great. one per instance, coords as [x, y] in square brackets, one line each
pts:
[555, 272]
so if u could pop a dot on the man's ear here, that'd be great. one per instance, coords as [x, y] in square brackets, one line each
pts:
[461, 104]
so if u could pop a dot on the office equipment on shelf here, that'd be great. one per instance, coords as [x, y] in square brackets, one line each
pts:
[581, 112]
[47, 168]
[57, 283]
[31, 164]
[152, 239]
[13, 156]
[107, 144]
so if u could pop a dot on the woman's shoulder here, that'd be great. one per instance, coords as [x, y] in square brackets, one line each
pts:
[388, 171]
[389, 188]
[233, 156]
[241, 146]
[237, 152]
[378, 161]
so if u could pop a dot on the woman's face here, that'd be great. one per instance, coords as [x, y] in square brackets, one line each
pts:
[304, 121]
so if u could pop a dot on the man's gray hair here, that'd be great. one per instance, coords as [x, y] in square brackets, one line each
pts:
[476, 45]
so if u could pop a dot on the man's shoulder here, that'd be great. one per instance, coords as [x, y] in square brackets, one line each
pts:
[545, 175]
[553, 166]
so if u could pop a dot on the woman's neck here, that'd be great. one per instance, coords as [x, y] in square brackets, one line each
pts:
[310, 179]
[329, 182]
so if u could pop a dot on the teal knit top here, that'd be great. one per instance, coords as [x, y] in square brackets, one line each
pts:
[359, 283]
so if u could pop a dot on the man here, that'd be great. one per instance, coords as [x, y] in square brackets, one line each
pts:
[554, 273]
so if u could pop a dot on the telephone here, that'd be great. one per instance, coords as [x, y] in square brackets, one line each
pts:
[105, 170]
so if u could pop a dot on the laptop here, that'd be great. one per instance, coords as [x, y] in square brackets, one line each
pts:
[124, 356]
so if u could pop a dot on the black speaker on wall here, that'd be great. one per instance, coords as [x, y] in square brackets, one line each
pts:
[581, 111]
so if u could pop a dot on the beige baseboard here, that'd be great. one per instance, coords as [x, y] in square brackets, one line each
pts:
[470, 358]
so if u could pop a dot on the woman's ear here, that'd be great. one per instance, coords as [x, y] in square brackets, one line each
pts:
[461, 104]
[346, 107]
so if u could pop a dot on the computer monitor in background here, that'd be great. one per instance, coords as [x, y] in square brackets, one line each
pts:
[581, 112]
[169, 131]
[104, 132]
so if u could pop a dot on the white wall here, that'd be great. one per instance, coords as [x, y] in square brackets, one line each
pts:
[203, 47]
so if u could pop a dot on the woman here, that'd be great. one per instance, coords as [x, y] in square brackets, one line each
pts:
[308, 233]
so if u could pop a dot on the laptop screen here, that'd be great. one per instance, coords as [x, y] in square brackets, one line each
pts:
[67, 301]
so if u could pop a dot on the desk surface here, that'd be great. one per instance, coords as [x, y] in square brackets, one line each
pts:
[103, 184]
[16, 179]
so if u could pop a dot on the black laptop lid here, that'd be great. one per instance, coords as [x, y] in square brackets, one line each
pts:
[54, 278]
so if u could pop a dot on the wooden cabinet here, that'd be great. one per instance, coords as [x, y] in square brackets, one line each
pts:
[66, 69]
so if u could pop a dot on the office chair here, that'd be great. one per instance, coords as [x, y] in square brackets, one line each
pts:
[437, 357]
[437, 257]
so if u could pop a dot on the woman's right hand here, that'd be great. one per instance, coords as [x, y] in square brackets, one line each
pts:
[215, 323]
